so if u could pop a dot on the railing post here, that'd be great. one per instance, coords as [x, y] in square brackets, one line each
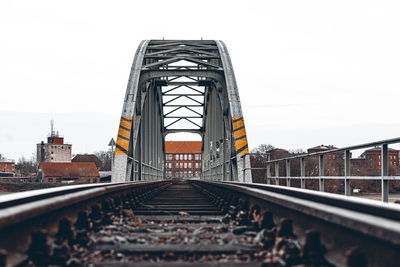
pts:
[302, 173]
[277, 173]
[347, 172]
[244, 167]
[385, 172]
[288, 172]
[140, 171]
[321, 173]
[268, 173]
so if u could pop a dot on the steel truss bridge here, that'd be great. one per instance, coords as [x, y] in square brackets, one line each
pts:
[181, 86]
[221, 220]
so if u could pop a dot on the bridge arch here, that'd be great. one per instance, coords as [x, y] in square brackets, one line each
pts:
[155, 105]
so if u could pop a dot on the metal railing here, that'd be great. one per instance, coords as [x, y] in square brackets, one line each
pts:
[148, 172]
[384, 177]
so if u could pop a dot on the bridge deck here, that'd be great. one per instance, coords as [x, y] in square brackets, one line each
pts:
[200, 223]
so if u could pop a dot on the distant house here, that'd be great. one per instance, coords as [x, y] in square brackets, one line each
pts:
[182, 158]
[68, 172]
[7, 168]
[87, 158]
[373, 157]
[320, 148]
[55, 150]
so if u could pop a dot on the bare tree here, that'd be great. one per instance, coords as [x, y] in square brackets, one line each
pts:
[26, 167]
[105, 158]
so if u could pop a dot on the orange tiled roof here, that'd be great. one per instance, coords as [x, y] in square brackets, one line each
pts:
[69, 169]
[183, 147]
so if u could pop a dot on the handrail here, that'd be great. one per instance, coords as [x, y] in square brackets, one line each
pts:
[384, 166]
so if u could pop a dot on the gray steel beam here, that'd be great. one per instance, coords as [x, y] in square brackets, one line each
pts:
[158, 64]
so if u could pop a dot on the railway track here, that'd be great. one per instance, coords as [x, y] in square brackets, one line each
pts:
[195, 223]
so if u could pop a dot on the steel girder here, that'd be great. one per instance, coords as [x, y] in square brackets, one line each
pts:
[155, 105]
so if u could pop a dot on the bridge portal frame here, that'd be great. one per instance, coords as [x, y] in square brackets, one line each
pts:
[142, 131]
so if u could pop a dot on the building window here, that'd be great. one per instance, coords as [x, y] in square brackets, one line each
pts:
[185, 157]
[196, 156]
[190, 156]
[190, 165]
[170, 156]
[181, 165]
[177, 165]
[181, 156]
[333, 156]
[185, 173]
[197, 165]
[185, 165]
[170, 165]
[50, 180]
[190, 173]
[177, 156]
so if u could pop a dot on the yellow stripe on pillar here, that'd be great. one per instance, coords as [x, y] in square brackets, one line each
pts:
[239, 134]
[124, 134]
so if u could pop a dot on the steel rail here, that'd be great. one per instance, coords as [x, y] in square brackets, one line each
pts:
[385, 210]
[343, 221]
[19, 207]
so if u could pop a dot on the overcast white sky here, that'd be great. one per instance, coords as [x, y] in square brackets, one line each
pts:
[309, 72]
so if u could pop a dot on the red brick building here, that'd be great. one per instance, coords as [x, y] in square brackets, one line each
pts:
[182, 159]
[323, 148]
[373, 157]
[69, 172]
[7, 168]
